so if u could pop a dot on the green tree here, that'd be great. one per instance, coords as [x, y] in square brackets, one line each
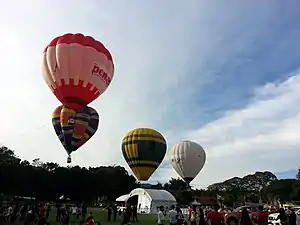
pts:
[48, 180]
[237, 191]
[180, 190]
[285, 190]
[298, 174]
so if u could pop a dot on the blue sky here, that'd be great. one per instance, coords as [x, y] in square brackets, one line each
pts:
[289, 174]
[222, 73]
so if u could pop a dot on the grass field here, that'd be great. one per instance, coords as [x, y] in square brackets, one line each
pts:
[100, 215]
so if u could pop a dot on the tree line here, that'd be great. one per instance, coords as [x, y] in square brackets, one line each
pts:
[49, 181]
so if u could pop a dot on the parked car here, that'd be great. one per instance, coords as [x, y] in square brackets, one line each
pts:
[297, 211]
[274, 219]
[233, 217]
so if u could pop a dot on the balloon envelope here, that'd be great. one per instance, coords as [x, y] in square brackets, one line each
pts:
[187, 158]
[77, 69]
[144, 149]
[74, 128]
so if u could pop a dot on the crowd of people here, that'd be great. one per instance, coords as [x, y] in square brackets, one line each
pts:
[287, 216]
[38, 214]
[127, 215]
[198, 215]
[27, 214]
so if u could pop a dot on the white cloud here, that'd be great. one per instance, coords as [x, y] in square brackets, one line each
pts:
[139, 40]
[262, 136]
[155, 48]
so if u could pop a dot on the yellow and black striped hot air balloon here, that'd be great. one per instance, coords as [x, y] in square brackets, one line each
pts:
[144, 149]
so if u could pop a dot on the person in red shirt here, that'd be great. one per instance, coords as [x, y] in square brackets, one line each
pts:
[215, 217]
[90, 219]
[262, 216]
[90, 222]
[190, 211]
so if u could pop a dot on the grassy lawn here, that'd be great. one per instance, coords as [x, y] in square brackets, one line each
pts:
[100, 215]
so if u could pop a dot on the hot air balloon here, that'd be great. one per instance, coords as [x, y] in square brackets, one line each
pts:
[187, 158]
[74, 128]
[144, 149]
[77, 68]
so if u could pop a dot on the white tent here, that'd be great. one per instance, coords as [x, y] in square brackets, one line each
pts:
[122, 198]
[195, 202]
[148, 200]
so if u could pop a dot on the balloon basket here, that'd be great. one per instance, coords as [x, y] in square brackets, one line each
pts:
[69, 160]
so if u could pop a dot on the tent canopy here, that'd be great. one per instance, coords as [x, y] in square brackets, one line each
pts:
[122, 198]
[195, 202]
[148, 200]
[153, 194]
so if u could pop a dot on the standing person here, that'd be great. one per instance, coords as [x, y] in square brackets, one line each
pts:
[283, 217]
[193, 216]
[262, 216]
[127, 215]
[245, 218]
[179, 216]
[190, 211]
[201, 217]
[173, 215]
[78, 213]
[90, 216]
[109, 212]
[65, 217]
[293, 217]
[160, 216]
[58, 212]
[74, 211]
[15, 215]
[90, 219]
[2, 215]
[83, 210]
[288, 211]
[215, 217]
[48, 209]
[134, 213]
[31, 215]
[42, 211]
[115, 212]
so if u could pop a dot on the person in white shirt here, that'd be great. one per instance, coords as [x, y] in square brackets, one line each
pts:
[193, 216]
[173, 215]
[9, 210]
[160, 216]
[74, 211]
[288, 211]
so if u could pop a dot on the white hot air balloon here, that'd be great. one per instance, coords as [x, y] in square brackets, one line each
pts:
[187, 158]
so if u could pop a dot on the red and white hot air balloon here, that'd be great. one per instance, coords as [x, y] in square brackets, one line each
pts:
[77, 68]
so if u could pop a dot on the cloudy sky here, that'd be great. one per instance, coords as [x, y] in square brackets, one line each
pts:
[224, 73]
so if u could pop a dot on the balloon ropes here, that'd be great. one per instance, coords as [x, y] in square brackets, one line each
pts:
[188, 159]
[143, 149]
[77, 69]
